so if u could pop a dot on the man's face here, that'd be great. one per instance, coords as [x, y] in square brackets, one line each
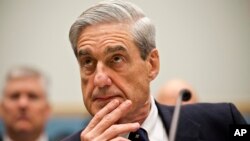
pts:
[24, 105]
[111, 67]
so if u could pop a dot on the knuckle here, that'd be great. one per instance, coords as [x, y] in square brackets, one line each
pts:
[110, 107]
[86, 137]
[114, 128]
[120, 110]
[108, 118]
[98, 116]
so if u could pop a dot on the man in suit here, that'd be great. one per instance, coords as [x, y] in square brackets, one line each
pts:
[114, 43]
[24, 105]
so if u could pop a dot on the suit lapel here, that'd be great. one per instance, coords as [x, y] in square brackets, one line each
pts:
[188, 129]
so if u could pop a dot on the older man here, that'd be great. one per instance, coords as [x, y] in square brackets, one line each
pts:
[24, 105]
[114, 43]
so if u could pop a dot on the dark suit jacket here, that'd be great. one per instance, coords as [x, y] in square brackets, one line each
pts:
[197, 122]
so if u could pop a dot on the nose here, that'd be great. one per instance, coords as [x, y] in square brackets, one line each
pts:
[101, 78]
[23, 102]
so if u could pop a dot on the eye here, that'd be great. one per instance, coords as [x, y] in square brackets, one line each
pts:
[33, 96]
[15, 96]
[87, 62]
[117, 59]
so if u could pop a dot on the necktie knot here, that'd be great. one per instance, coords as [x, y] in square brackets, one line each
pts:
[139, 135]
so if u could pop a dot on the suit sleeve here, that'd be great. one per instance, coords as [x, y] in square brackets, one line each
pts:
[236, 115]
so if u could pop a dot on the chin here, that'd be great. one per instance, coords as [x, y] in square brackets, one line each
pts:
[95, 109]
[24, 130]
[22, 127]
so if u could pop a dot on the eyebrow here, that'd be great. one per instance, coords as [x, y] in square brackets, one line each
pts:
[109, 49]
[112, 49]
[83, 52]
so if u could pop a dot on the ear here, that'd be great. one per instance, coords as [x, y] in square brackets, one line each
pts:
[153, 63]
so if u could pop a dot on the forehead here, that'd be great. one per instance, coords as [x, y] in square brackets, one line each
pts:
[24, 84]
[100, 33]
[104, 28]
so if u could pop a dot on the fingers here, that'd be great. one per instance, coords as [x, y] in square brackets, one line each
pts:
[111, 133]
[119, 129]
[99, 116]
[113, 116]
[120, 139]
[103, 127]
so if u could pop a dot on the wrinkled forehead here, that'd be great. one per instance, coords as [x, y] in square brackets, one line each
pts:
[105, 35]
[101, 27]
[93, 31]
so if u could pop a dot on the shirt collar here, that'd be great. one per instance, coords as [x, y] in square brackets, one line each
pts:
[154, 125]
[150, 121]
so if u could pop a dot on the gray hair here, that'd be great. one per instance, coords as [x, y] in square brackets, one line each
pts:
[22, 72]
[117, 11]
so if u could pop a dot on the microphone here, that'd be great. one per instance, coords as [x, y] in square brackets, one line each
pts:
[184, 95]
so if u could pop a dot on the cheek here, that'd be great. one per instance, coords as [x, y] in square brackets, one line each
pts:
[6, 114]
[138, 78]
[7, 107]
[86, 86]
[138, 82]
[135, 89]
[87, 89]
[38, 108]
[40, 114]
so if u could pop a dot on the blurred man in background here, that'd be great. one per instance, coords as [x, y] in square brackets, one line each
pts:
[170, 91]
[25, 108]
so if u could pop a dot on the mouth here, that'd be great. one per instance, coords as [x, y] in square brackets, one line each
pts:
[106, 98]
[23, 117]
[101, 102]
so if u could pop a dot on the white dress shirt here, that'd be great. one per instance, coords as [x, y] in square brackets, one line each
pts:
[153, 124]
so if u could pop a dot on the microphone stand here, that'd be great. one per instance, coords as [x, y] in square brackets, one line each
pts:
[184, 95]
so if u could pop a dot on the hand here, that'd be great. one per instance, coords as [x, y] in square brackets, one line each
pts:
[103, 128]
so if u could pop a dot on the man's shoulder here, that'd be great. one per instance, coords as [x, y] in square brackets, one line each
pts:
[207, 108]
[208, 111]
[226, 112]
[209, 121]
[73, 137]
[213, 109]
[200, 107]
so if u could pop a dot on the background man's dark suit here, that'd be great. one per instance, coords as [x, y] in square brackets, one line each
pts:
[199, 122]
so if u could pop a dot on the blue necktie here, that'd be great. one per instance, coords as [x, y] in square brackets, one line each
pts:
[139, 135]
